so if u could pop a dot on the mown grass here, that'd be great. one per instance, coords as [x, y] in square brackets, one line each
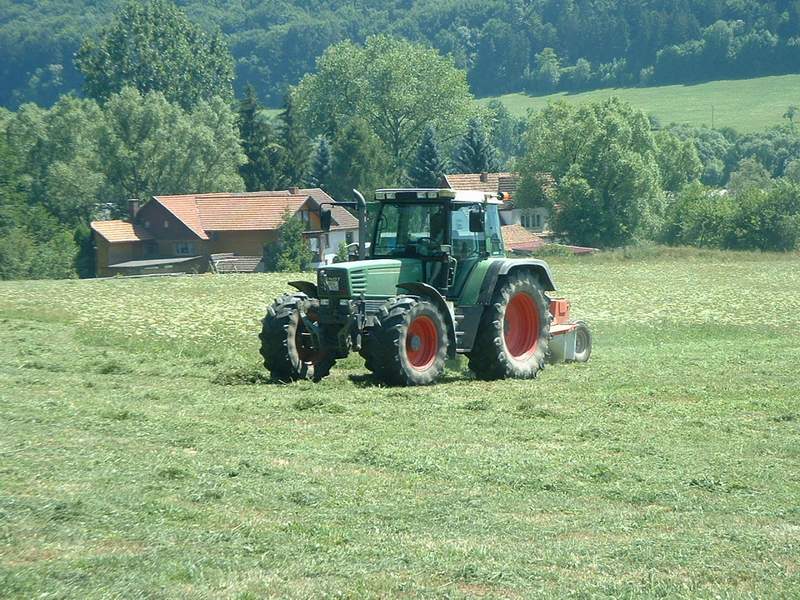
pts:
[144, 453]
[744, 104]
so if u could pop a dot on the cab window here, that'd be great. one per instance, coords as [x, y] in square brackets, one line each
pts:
[465, 242]
[493, 232]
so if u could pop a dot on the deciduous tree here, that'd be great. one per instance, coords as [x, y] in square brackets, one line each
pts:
[153, 47]
[398, 88]
[603, 159]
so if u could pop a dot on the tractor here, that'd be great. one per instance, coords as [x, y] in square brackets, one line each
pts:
[433, 282]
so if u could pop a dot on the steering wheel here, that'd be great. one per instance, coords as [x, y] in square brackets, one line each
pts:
[425, 246]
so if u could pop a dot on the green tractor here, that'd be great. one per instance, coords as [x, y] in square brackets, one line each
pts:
[434, 282]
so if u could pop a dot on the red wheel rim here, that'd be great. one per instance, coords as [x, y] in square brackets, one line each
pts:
[521, 326]
[422, 343]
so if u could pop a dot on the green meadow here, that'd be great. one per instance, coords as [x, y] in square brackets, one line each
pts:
[745, 104]
[145, 453]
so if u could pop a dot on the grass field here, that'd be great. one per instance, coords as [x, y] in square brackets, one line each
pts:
[144, 454]
[746, 104]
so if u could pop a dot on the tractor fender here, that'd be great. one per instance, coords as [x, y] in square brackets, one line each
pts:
[423, 290]
[505, 267]
[308, 288]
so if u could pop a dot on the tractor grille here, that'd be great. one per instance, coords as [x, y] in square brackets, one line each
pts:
[358, 282]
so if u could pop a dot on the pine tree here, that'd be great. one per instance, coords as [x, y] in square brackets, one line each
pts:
[265, 168]
[429, 166]
[321, 165]
[359, 161]
[296, 145]
[291, 253]
[476, 154]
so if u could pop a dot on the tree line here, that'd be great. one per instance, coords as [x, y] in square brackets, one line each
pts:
[504, 46]
[384, 113]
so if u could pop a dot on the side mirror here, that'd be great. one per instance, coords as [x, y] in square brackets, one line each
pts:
[325, 218]
[477, 221]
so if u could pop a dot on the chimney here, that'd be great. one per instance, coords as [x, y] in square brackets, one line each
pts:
[294, 190]
[134, 205]
[484, 177]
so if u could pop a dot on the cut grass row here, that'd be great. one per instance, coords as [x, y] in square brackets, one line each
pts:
[138, 463]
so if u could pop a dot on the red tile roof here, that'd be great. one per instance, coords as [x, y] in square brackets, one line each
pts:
[493, 182]
[249, 211]
[120, 231]
[475, 181]
[516, 237]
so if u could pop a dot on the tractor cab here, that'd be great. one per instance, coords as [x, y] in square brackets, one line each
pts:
[446, 232]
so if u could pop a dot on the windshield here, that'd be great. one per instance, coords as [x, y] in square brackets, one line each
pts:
[407, 229]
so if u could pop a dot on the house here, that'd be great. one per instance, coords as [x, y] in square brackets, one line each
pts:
[534, 219]
[191, 233]
[518, 239]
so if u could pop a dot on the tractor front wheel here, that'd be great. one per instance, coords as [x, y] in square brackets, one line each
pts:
[514, 333]
[409, 344]
[287, 341]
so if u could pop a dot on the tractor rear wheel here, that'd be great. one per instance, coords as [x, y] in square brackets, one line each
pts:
[514, 332]
[409, 345]
[286, 342]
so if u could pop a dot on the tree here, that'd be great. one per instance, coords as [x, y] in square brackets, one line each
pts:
[291, 253]
[430, 166]
[265, 167]
[342, 252]
[397, 87]
[749, 174]
[602, 157]
[153, 47]
[790, 114]
[148, 146]
[507, 132]
[697, 216]
[359, 161]
[85, 258]
[58, 153]
[547, 73]
[297, 148]
[678, 161]
[475, 154]
[321, 165]
[766, 218]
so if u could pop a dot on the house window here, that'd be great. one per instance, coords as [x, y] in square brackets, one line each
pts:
[348, 238]
[184, 249]
[166, 224]
[147, 224]
[538, 220]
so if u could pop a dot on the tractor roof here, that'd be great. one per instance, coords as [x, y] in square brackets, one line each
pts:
[433, 194]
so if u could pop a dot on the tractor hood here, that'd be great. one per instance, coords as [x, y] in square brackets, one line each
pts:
[371, 279]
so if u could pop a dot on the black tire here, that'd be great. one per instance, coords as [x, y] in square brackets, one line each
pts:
[583, 342]
[282, 348]
[409, 344]
[503, 351]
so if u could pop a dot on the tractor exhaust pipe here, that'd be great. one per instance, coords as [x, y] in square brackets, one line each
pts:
[361, 205]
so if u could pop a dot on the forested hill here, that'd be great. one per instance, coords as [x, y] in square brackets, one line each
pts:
[537, 46]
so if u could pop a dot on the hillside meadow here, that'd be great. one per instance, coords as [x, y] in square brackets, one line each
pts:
[146, 454]
[746, 105]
